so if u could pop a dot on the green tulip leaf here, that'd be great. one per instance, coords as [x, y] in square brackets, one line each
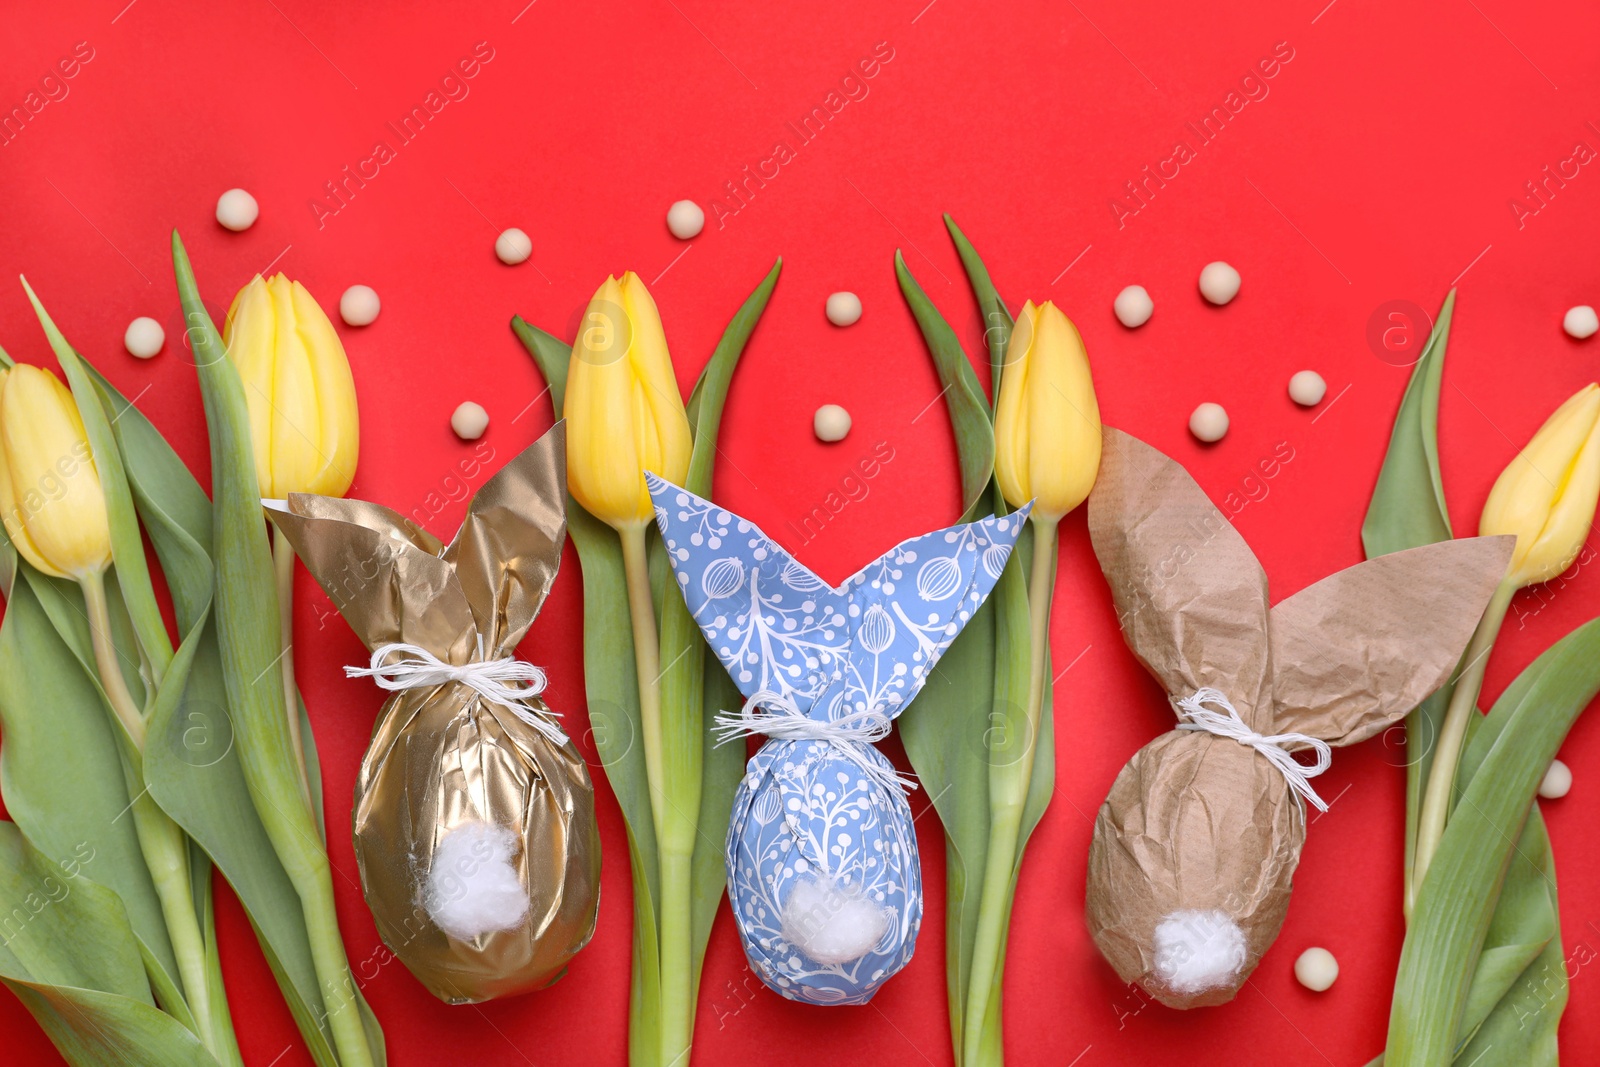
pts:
[61, 768]
[245, 624]
[969, 411]
[191, 764]
[693, 686]
[973, 711]
[71, 957]
[997, 321]
[1456, 904]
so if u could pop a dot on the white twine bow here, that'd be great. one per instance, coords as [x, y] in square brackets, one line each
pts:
[1269, 745]
[853, 734]
[494, 680]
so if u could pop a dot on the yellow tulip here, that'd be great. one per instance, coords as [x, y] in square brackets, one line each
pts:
[1047, 423]
[624, 413]
[302, 399]
[1547, 495]
[50, 496]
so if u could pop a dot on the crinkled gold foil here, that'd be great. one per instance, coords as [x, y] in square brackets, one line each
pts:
[443, 757]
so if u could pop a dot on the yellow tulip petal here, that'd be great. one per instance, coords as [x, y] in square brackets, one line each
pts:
[1011, 420]
[338, 432]
[250, 335]
[1531, 500]
[653, 366]
[12, 511]
[296, 420]
[1064, 416]
[1572, 513]
[52, 493]
[603, 458]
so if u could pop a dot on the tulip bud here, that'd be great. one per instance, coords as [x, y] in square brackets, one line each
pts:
[50, 495]
[624, 413]
[302, 399]
[1547, 495]
[1047, 422]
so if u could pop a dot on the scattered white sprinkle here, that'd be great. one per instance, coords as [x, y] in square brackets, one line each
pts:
[359, 305]
[1307, 388]
[1557, 781]
[1209, 422]
[1316, 969]
[513, 246]
[831, 423]
[1581, 321]
[844, 309]
[1219, 283]
[144, 337]
[469, 420]
[685, 219]
[1133, 307]
[237, 209]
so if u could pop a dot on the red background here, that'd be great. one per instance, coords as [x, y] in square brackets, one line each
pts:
[1379, 167]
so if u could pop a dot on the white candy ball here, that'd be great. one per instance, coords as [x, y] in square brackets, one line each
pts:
[831, 423]
[1219, 283]
[469, 421]
[1307, 388]
[1581, 321]
[1316, 969]
[844, 309]
[237, 209]
[513, 246]
[1209, 422]
[144, 337]
[1557, 781]
[359, 305]
[685, 219]
[1133, 306]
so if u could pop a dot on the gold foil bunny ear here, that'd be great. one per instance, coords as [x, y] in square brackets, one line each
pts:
[474, 815]
[1195, 847]
[506, 554]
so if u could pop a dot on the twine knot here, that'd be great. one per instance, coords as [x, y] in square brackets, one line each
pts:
[1228, 723]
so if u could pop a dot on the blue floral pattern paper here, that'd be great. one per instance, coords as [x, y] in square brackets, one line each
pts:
[821, 853]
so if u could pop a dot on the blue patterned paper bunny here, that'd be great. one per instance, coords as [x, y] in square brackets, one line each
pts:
[823, 873]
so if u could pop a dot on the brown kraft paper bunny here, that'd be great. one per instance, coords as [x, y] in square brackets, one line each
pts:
[1195, 847]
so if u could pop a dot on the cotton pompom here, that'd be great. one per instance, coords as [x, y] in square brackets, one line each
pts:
[473, 888]
[1198, 950]
[832, 923]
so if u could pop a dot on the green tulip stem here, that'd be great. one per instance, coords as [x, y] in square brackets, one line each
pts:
[105, 659]
[1437, 800]
[161, 842]
[674, 920]
[1010, 776]
[283, 564]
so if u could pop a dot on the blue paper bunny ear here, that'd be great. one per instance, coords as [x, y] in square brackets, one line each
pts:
[823, 874]
[864, 648]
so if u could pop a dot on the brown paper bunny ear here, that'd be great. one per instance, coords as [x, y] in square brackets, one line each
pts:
[1190, 595]
[1358, 650]
[509, 546]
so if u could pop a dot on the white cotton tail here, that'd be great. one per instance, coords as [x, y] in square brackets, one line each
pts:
[832, 923]
[1198, 950]
[473, 887]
